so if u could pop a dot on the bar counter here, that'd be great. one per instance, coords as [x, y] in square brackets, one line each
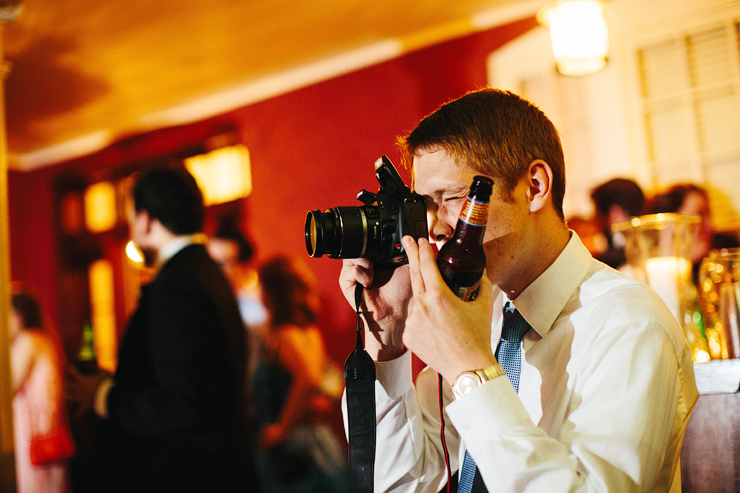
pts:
[710, 457]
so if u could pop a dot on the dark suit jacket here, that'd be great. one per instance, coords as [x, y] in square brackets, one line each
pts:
[178, 411]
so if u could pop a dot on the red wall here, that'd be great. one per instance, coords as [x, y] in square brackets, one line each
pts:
[32, 241]
[313, 148]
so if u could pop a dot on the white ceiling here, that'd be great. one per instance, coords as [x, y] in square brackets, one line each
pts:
[86, 72]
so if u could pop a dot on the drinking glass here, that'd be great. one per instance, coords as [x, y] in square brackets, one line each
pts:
[719, 292]
[658, 248]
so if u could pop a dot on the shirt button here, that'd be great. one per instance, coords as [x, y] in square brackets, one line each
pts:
[465, 425]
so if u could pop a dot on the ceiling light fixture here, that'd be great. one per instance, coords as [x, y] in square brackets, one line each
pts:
[223, 174]
[578, 30]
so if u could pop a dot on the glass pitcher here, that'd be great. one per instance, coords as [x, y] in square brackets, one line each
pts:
[658, 251]
[719, 292]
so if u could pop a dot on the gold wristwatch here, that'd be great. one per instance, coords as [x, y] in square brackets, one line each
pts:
[466, 381]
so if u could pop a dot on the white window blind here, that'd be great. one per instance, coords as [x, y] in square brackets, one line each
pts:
[690, 89]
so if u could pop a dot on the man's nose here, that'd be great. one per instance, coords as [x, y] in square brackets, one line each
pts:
[439, 229]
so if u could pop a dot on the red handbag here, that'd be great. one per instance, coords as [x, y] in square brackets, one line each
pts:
[55, 446]
[46, 414]
[55, 442]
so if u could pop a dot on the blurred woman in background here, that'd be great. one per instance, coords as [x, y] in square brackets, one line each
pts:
[296, 387]
[38, 408]
[691, 199]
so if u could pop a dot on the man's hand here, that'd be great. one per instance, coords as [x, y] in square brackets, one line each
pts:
[385, 302]
[448, 334]
[80, 389]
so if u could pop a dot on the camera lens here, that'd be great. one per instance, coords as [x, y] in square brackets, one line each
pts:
[342, 232]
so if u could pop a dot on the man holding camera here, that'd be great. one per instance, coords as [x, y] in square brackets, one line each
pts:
[596, 394]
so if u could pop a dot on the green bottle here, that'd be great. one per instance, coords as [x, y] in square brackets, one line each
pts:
[87, 360]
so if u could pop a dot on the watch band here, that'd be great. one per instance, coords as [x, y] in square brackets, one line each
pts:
[466, 381]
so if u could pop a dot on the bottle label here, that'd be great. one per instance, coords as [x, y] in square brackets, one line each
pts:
[474, 213]
[467, 293]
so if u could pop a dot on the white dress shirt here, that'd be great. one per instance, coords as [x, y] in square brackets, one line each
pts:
[605, 393]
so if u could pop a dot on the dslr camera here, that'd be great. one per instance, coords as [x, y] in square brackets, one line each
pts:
[373, 230]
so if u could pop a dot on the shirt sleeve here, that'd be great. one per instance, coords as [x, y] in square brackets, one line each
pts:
[100, 403]
[617, 421]
[409, 455]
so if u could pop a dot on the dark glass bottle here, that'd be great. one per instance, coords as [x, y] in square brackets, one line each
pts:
[461, 260]
[87, 360]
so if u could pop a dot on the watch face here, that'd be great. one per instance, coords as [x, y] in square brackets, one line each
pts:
[466, 382]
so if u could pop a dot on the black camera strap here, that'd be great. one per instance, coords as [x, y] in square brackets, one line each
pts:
[359, 375]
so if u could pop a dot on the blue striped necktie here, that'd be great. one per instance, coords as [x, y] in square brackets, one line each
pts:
[509, 355]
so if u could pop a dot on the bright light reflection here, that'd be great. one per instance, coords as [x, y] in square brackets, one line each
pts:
[133, 253]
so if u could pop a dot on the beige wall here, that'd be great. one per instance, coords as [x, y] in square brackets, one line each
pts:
[600, 115]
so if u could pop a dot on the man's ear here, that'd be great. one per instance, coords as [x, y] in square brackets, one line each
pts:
[540, 184]
[143, 221]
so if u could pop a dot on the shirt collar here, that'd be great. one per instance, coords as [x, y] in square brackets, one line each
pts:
[542, 301]
[175, 245]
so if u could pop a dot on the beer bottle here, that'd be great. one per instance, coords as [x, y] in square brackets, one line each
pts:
[461, 260]
[87, 361]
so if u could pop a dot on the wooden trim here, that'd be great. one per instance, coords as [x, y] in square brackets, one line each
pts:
[7, 463]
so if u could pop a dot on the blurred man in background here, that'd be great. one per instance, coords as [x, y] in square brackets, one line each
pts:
[175, 414]
[615, 201]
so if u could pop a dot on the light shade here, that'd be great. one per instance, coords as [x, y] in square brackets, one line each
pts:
[223, 175]
[580, 40]
[100, 207]
[103, 316]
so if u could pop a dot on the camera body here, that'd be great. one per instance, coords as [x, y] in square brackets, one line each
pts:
[373, 230]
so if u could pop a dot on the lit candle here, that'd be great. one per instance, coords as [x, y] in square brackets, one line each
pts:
[666, 275]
